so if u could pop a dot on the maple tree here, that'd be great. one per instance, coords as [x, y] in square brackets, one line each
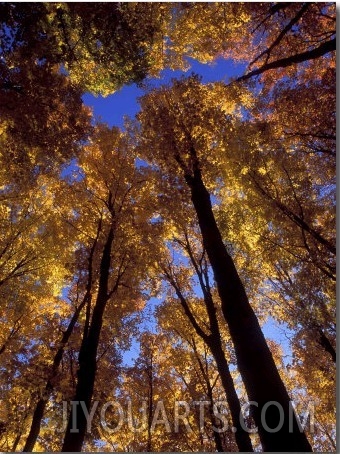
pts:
[117, 190]
[171, 127]
[218, 199]
[177, 278]
[101, 46]
[268, 36]
[42, 402]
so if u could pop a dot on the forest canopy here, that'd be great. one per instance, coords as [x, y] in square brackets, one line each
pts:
[208, 216]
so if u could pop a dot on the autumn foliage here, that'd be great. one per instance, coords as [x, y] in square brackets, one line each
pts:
[155, 269]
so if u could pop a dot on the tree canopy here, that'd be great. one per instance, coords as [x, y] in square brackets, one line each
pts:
[179, 237]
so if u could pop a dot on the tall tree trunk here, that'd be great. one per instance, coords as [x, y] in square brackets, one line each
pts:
[36, 420]
[213, 419]
[42, 402]
[255, 362]
[73, 440]
[16, 442]
[214, 343]
[150, 406]
[241, 436]
[217, 435]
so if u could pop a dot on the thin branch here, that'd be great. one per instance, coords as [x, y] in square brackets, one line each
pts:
[185, 305]
[277, 41]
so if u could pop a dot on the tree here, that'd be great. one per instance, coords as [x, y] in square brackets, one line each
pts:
[101, 47]
[212, 336]
[290, 38]
[306, 33]
[86, 301]
[235, 204]
[50, 55]
[287, 171]
[172, 125]
[37, 250]
[114, 186]
[44, 113]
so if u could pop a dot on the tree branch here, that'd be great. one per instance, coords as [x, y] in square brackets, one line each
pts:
[324, 48]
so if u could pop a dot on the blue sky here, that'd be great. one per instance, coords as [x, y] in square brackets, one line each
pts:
[113, 108]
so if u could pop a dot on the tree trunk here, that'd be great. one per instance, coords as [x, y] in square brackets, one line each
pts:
[241, 436]
[254, 359]
[150, 410]
[42, 402]
[214, 343]
[36, 423]
[73, 440]
[217, 435]
[16, 442]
